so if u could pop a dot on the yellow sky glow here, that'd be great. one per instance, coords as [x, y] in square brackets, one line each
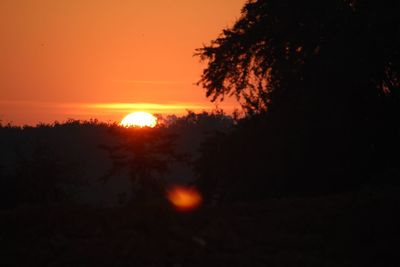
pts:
[56, 55]
[107, 112]
[145, 106]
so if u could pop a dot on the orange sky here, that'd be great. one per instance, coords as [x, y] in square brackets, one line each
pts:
[100, 59]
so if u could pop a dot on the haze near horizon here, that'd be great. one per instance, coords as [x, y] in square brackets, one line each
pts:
[103, 60]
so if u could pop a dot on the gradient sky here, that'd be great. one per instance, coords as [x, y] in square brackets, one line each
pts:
[100, 59]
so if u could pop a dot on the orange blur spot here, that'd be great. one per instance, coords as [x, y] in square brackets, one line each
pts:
[184, 198]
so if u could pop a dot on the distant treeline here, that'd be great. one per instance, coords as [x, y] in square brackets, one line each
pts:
[228, 159]
[67, 161]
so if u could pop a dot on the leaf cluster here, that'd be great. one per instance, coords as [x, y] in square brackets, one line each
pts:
[279, 49]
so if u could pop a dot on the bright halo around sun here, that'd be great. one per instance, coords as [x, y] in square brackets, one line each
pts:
[139, 119]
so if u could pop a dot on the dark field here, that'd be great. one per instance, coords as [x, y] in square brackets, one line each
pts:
[339, 230]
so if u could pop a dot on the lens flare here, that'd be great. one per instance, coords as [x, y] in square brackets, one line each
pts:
[139, 119]
[184, 199]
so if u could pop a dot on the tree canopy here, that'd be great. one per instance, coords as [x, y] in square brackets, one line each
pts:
[279, 48]
[323, 79]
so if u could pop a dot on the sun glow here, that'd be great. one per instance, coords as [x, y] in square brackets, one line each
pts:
[139, 119]
[184, 199]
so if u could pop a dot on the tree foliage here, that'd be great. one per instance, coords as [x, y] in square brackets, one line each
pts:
[146, 154]
[321, 81]
[278, 49]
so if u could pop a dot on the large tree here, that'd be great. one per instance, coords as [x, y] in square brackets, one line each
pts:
[325, 77]
[279, 48]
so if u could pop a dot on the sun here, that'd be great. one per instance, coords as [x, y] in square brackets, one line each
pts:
[139, 119]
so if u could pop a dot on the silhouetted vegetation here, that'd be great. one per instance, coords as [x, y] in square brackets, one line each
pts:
[320, 83]
[99, 163]
[309, 176]
[147, 154]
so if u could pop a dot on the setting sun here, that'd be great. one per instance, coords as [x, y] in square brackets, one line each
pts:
[184, 198]
[139, 119]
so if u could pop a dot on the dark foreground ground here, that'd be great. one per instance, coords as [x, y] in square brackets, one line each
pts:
[341, 230]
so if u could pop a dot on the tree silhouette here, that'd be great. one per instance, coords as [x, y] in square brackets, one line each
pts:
[146, 153]
[279, 49]
[324, 78]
